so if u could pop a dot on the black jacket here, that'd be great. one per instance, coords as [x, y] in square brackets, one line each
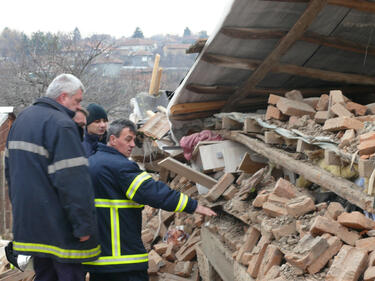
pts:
[121, 190]
[50, 186]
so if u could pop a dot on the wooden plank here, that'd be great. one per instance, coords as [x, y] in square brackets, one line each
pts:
[156, 126]
[217, 254]
[313, 9]
[249, 166]
[187, 172]
[311, 37]
[362, 5]
[342, 187]
[251, 64]
[193, 107]
[154, 76]
[228, 90]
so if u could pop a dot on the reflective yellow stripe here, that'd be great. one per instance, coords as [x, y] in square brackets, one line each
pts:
[68, 163]
[136, 183]
[115, 232]
[125, 259]
[28, 146]
[108, 203]
[56, 251]
[182, 203]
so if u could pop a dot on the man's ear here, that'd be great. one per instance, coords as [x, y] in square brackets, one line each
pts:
[112, 140]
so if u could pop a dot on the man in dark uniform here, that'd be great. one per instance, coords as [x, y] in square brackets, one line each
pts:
[121, 191]
[50, 187]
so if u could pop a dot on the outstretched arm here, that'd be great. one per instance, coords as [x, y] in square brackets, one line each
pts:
[205, 211]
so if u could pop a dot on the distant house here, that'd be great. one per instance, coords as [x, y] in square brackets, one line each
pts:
[139, 58]
[136, 44]
[6, 119]
[175, 49]
[107, 65]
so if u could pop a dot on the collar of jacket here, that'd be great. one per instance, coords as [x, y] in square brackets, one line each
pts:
[56, 105]
[109, 149]
[92, 138]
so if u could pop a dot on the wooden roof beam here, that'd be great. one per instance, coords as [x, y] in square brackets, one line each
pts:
[361, 5]
[228, 90]
[250, 64]
[311, 37]
[312, 11]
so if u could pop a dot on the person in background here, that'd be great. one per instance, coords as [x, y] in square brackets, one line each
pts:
[50, 186]
[95, 129]
[121, 191]
[80, 118]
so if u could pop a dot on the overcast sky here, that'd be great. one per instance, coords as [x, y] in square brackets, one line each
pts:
[115, 17]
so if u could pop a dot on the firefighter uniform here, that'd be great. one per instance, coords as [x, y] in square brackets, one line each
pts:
[121, 191]
[50, 186]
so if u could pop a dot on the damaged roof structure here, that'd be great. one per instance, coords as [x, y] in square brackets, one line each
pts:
[288, 86]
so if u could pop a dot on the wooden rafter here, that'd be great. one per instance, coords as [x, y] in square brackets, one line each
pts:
[228, 90]
[313, 9]
[311, 37]
[184, 108]
[361, 5]
[250, 64]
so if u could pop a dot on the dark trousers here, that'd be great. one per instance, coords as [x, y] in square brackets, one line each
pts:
[120, 276]
[50, 270]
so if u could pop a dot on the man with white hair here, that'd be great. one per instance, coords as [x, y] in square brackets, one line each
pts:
[50, 187]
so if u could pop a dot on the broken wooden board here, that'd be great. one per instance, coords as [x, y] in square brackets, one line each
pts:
[189, 173]
[156, 127]
[249, 166]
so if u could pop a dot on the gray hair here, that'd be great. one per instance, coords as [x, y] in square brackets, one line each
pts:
[84, 111]
[64, 83]
[116, 127]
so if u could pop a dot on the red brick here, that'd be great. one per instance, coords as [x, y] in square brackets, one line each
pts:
[348, 265]
[367, 136]
[334, 210]
[261, 198]
[294, 108]
[334, 246]
[356, 108]
[356, 220]
[230, 192]
[321, 117]
[336, 96]
[250, 240]
[273, 273]
[367, 244]
[366, 147]
[284, 230]
[342, 123]
[371, 108]
[158, 260]
[284, 188]
[272, 257]
[183, 268]
[371, 259]
[273, 99]
[160, 248]
[169, 253]
[307, 251]
[257, 258]
[299, 206]
[294, 95]
[274, 210]
[313, 101]
[281, 201]
[369, 274]
[218, 189]
[347, 138]
[323, 103]
[274, 113]
[325, 225]
[340, 110]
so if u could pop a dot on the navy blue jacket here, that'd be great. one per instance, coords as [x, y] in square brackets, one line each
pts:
[90, 142]
[50, 186]
[121, 191]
